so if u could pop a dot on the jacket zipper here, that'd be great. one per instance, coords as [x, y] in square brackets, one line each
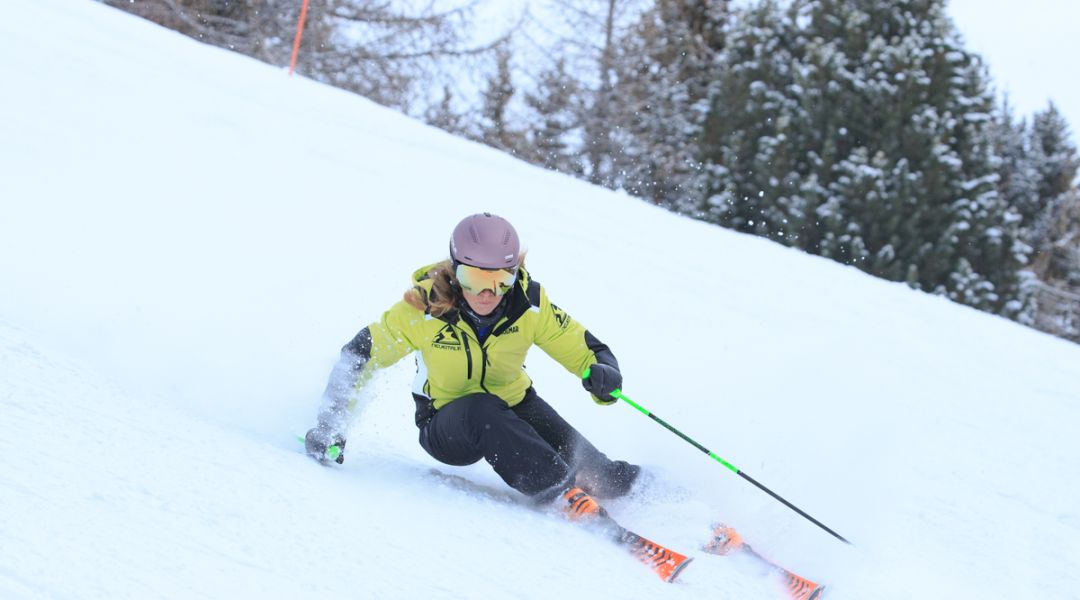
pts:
[483, 367]
[468, 351]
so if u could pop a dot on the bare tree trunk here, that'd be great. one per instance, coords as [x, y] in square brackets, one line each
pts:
[599, 141]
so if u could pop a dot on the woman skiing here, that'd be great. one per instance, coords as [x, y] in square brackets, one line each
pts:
[471, 319]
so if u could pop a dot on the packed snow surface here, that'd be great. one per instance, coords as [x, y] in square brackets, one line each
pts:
[187, 237]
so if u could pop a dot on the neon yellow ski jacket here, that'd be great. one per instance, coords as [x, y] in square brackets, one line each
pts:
[451, 360]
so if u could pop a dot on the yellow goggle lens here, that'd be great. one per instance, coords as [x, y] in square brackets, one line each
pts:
[475, 280]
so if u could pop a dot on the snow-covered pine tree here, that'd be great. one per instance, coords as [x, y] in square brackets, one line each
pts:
[751, 144]
[1018, 179]
[921, 97]
[892, 168]
[1050, 224]
[1056, 159]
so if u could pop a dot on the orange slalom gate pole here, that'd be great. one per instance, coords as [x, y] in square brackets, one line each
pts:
[299, 34]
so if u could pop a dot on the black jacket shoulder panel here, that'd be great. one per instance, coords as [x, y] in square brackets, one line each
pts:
[533, 293]
[360, 345]
[603, 354]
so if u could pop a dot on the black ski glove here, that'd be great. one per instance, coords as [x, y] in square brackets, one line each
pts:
[602, 381]
[324, 445]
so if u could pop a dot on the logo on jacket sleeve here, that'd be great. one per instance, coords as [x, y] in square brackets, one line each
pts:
[447, 338]
[560, 316]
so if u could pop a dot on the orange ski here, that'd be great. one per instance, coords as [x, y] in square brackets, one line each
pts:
[725, 540]
[666, 563]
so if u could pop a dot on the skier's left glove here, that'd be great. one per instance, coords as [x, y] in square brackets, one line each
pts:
[601, 382]
[325, 445]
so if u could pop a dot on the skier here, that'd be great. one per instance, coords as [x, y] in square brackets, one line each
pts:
[471, 319]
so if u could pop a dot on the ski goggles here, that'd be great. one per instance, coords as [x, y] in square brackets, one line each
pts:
[475, 280]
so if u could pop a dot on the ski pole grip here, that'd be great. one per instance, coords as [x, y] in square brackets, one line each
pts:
[332, 452]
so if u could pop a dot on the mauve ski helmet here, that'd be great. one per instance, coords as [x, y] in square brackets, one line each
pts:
[487, 241]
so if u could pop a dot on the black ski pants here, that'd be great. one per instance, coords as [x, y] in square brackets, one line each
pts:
[532, 448]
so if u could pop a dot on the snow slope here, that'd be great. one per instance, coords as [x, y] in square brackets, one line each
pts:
[187, 237]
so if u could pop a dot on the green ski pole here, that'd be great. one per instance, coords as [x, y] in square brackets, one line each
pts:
[619, 395]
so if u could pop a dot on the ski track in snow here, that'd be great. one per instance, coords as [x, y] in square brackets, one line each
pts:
[188, 236]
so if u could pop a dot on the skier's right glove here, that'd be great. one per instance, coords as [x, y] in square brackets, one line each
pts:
[324, 445]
